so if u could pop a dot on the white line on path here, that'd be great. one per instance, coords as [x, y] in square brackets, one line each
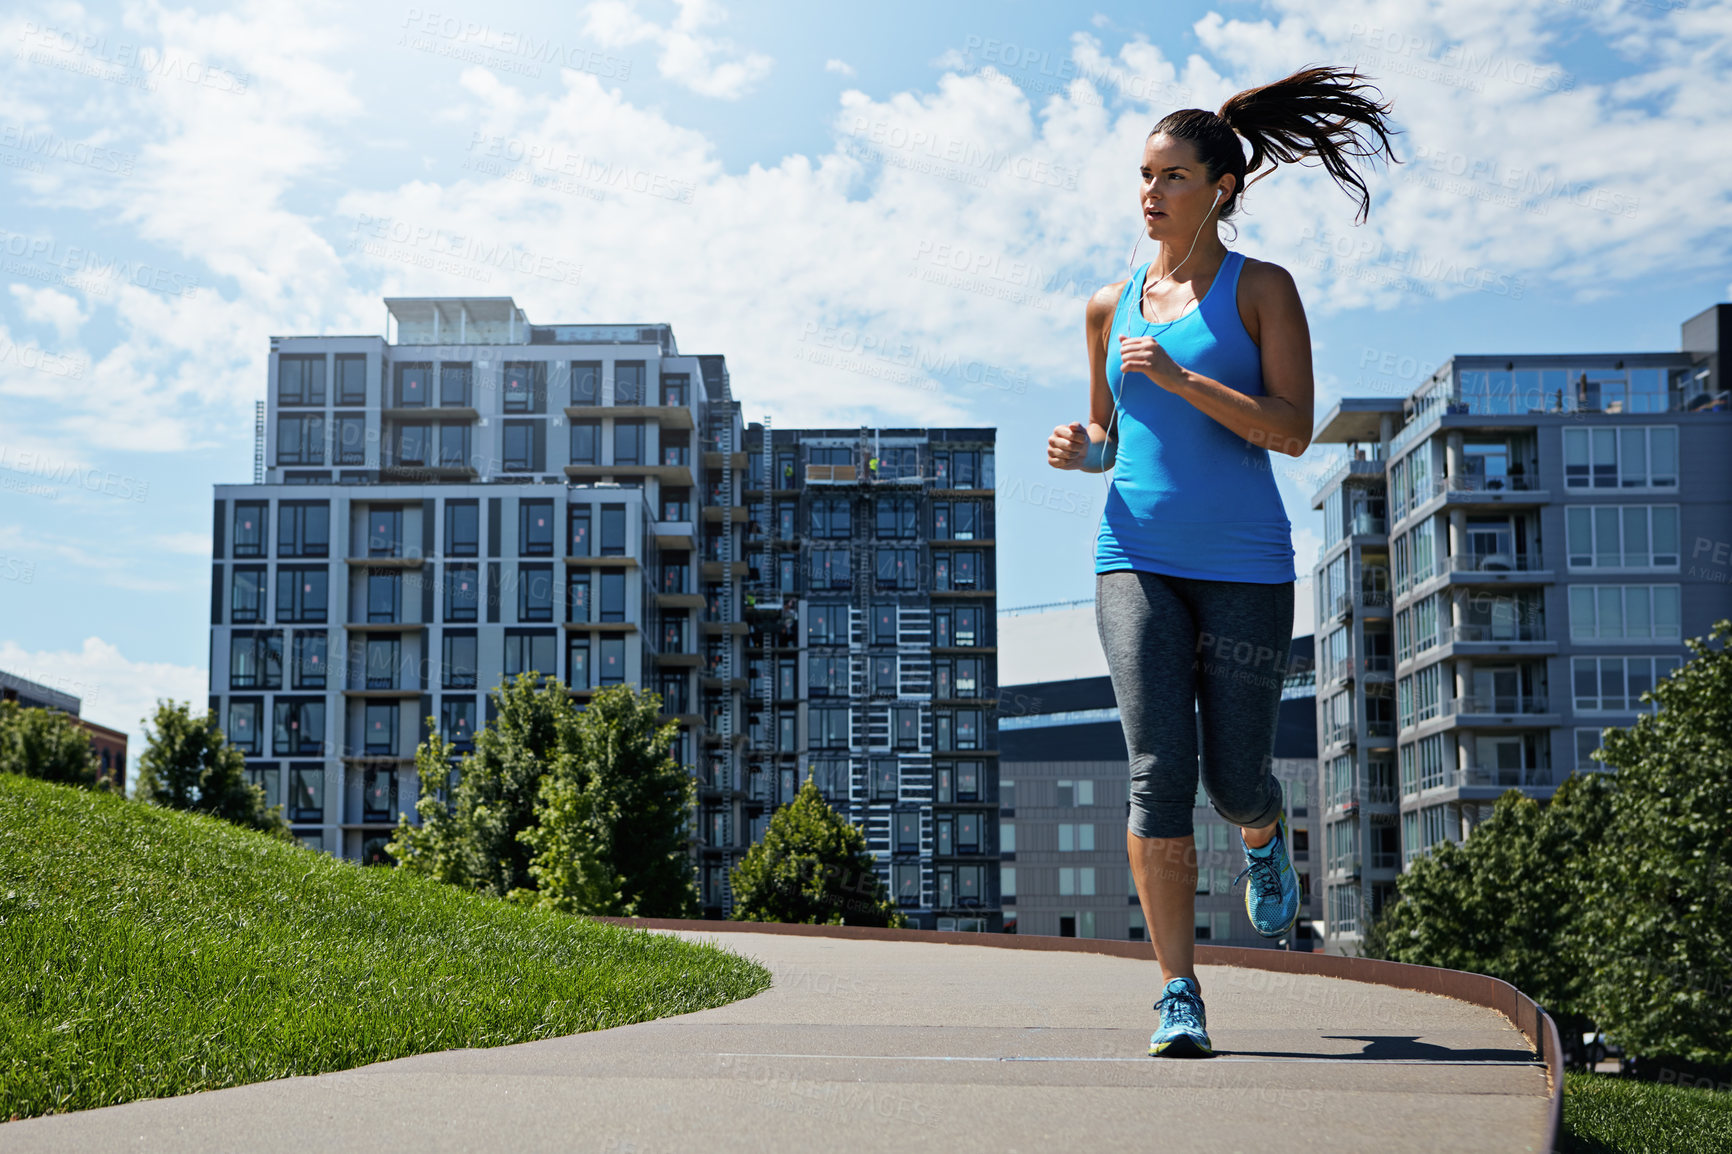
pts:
[1216, 1058]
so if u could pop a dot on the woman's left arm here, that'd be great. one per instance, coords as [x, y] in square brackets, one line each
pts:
[1280, 419]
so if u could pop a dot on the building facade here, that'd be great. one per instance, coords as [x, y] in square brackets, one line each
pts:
[870, 654]
[1512, 554]
[473, 496]
[1064, 799]
[107, 746]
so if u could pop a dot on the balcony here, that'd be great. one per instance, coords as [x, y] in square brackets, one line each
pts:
[1349, 467]
[1486, 782]
[1499, 568]
[1494, 631]
[831, 474]
[1473, 490]
[1366, 524]
[1501, 710]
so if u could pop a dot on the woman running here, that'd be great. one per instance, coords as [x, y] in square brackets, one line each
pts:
[1197, 373]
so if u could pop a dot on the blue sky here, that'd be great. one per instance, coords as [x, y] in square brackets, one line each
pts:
[177, 184]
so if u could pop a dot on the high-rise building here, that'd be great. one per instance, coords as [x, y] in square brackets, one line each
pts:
[871, 657]
[1064, 786]
[473, 496]
[1512, 554]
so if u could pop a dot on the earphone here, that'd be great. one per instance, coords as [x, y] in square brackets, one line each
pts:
[1107, 477]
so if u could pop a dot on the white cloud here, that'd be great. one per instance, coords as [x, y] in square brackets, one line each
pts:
[956, 230]
[50, 307]
[841, 66]
[704, 64]
[193, 544]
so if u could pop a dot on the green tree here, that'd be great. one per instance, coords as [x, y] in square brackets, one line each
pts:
[578, 810]
[812, 866]
[1659, 911]
[612, 833]
[474, 844]
[1611, 901]
[1508, 901]
[189, 764]
[45, 743]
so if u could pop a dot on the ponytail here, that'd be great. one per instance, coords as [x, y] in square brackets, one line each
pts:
[1316, 111]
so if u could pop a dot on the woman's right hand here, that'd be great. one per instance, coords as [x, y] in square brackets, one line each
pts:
[1068, 446]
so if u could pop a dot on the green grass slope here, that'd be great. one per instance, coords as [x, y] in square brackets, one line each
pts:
[1604, 1115]
[146, 952]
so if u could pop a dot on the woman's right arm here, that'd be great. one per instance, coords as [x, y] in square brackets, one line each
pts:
[1068, 447]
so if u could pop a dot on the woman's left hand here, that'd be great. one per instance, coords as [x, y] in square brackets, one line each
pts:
[1146, 356]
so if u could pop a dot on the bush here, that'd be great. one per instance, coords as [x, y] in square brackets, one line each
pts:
[811, 866]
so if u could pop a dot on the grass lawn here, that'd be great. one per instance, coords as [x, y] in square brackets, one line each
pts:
[146, 952]
[1605, 1115]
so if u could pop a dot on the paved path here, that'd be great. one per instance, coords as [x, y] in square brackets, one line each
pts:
[902, 1046]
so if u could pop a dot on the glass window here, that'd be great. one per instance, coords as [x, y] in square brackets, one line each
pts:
[349, 435]
[306, 791]
[534, 592]
[531, 651]
[628, 442]
[525, 386]
[301, 379]
[612, 530]
[585, 442]
[577, 663]
[586, 382]
[908, 831]
[535, 527]
[520, 445]
[455, 385]
[884, 625]
[462, 528]
[628, 383]
[385, 532]
[251, 519]
[308, 660]
[384, 595]
[247, 594]
[383, 661]
[459, 662]
[612, 671]
[351, 379]
[304, 529]
[884, 777]
[244, 725]
[298, 726]
[300, 440]
[612, 595]
[413, 385]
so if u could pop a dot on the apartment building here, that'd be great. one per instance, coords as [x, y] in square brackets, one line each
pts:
[1512, 554]
[107, 745]
[1064, 797]
[870, 656]
[472, 496]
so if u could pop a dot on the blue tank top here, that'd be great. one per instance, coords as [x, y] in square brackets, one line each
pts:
[1189, 497]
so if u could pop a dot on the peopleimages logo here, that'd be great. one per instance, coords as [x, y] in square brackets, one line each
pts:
[1369, 252]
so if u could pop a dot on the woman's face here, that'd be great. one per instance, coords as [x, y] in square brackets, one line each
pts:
[1176, 192]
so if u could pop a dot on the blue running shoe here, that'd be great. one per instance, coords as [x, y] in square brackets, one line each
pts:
[1183, 1032]
[1272, 897]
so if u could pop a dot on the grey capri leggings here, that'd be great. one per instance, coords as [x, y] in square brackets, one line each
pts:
[1196, 661]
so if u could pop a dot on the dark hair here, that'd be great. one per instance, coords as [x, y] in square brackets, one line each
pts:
[1317, 111]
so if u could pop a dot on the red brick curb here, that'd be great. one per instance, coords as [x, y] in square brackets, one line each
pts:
[1475, 989]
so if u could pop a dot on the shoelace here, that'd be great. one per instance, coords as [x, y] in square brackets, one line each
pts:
[1265, 878]
[1179, 1008]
